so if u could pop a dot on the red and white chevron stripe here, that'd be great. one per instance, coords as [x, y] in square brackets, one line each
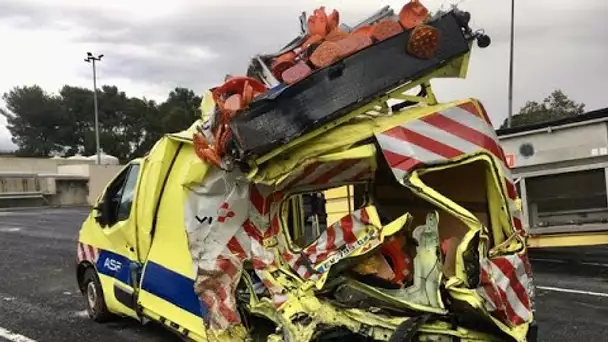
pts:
[219, 294]
[87, 253]
[445, 136]
[505, 288]
[258, 228]
[337, 172]
[246, 244]
[343, 233]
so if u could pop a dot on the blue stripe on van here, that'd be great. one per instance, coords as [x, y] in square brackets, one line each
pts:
[115, 266]
[158, 280]
[172, 287]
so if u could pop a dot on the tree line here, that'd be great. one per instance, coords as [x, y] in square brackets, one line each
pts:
[553, 107]
[44, 124]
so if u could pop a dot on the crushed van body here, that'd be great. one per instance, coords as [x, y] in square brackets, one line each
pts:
[326, 195]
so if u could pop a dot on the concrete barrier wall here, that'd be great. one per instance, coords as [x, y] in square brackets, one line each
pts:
[99, 177]
[71, 192]
[37, 165]
[28, 164]
[26, 181]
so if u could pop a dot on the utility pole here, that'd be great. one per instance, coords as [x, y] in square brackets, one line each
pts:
[510, 114]
[92, 59]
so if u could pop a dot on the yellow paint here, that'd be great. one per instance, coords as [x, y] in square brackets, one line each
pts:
[207, 106]
[568, 240]
[323, 151]
[170, 246]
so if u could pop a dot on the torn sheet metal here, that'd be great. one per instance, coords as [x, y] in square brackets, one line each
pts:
[215, 211]
[506, 288]
[355, 164]
[445, 136]
[353, 235]
[214, 214]
[452, 135]
[227, 220]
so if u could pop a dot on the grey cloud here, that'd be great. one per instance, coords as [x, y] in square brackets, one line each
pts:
[233, 34]
[5, 139]
[37, 16]
[555, 46]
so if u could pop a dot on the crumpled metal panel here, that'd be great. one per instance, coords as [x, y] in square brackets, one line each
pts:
[507, 289]
[443, 137]
[226, 219]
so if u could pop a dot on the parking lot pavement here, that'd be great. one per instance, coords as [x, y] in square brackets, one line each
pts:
[39, 299]
[572, 293]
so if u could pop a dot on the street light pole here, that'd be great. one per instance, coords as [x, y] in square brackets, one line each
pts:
[92, 59]
[510, 113]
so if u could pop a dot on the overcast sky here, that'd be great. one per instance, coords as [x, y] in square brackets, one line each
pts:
[152, 46]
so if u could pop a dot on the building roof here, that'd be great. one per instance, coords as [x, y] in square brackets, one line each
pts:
[589, 116]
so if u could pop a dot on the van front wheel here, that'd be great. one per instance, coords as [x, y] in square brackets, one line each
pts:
[94, 300]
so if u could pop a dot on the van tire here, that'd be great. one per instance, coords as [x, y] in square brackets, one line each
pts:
[93, 297]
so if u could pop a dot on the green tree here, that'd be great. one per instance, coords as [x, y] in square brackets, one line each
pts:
[123, 121]
[43, 124]
[553, 107]
[35, 119]
[180, 110]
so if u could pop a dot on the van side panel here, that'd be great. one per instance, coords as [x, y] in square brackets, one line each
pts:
[155, 168]
[167, 286]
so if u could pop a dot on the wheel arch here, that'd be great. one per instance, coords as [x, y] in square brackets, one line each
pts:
[80, 270]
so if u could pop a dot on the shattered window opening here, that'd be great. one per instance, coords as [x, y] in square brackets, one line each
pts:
[306, 215]
[479, 191]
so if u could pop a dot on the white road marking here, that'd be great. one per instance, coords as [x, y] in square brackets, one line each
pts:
[10, 230]
[597, 264]
[13, 337]
[548, 260]
[82, 313]
[594, 264]
[558, 289]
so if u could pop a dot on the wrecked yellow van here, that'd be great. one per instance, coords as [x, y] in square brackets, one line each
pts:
[394, 219]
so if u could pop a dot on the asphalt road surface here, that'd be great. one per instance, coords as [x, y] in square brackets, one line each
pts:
[39, 299]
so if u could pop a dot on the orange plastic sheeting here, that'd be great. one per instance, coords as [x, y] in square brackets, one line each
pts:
[386, 29]
[296, 73]
[413, 14]
[232, 96]
[327, 53]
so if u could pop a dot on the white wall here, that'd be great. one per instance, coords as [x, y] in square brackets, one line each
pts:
[559, 146]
